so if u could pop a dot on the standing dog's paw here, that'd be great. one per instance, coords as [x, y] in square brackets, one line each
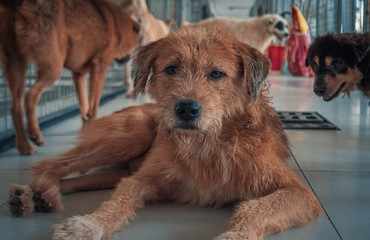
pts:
[20, 201]
[78, 228]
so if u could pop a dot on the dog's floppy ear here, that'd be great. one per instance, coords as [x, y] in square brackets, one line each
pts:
[141, 67]
[255, 67]
[306, 62]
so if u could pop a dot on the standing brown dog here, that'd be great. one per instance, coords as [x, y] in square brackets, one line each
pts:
[151, 29]
[210, 139]
[83, 36]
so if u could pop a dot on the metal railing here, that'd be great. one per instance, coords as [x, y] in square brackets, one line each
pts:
[336, 16]
[57, 100]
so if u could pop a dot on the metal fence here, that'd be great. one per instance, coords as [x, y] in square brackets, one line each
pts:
[323, 16]
[179, 10]
[59, 99]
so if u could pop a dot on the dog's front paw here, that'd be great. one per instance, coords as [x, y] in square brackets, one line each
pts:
[78, 228]
[236, 236]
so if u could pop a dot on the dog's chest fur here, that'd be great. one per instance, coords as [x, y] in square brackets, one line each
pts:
[208, 171]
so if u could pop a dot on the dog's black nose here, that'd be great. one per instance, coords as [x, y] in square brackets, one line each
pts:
[286, 34]
[187, 110]
[319, 91]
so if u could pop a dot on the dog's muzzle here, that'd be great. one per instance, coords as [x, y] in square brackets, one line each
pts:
[187, 111]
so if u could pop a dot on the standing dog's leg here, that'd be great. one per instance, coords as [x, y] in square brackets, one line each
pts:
[14, 67]
[130, 194]
[81, 90]
[283, 209]
[47, 75]
[97, 78]
[128, 79]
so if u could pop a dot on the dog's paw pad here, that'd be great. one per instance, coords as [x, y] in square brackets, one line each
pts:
[20, 201]
[78, 228]
[47, 201]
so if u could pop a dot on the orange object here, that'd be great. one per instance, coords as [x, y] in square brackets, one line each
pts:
[276, 55]
[298, 42]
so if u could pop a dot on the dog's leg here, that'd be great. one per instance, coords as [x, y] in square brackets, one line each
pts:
[130, 194]
[97, 78]
[93, 181]
[47, 75]
[283, 209]
[135, 136]
[81, 90]
[45, 187]
[14, 67]
[128, 79]
[102, 178]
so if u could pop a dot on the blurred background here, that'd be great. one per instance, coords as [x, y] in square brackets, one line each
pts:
[323, 16]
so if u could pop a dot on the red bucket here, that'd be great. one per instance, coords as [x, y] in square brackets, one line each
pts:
[276, 55]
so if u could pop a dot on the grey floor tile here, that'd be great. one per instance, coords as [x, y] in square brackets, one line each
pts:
[331, 150]
[39, 225]
[10, 177]
[346, 198]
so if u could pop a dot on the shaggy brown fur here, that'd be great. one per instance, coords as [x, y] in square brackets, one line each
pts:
[83, 36]
[341, 63]
[258, 32]
[210, 139]
[151, 29]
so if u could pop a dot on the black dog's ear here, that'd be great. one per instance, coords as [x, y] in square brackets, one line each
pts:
[306, 62]
[256, 67]
[142, 65]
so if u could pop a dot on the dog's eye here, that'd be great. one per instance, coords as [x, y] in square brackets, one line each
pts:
[279, 25]
[216, 75]
[314, 66]
[171, 70]
[337, 66]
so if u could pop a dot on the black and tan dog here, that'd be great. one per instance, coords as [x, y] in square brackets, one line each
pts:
[84, 36]
[341, 63]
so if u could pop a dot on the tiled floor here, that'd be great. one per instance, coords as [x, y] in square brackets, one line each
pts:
[335, 164]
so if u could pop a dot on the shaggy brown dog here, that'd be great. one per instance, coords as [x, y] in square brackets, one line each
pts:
[151, 29]
[258, 32]
[210, 139]
[341, 63]
[83, 36]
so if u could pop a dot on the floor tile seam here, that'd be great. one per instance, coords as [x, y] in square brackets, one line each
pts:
[14, 169]
[335, 171]
[311, 187]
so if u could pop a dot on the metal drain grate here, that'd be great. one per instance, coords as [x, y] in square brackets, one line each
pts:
[305, 120]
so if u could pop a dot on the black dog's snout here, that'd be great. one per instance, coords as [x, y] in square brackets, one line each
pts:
[187, 110]
[286, 34]
[320, 85]
[319, 91]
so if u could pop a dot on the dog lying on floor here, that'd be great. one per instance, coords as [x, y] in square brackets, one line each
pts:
[212, 138]
[257, 32]
[341, 63]
[151, 29]
[82, 36]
